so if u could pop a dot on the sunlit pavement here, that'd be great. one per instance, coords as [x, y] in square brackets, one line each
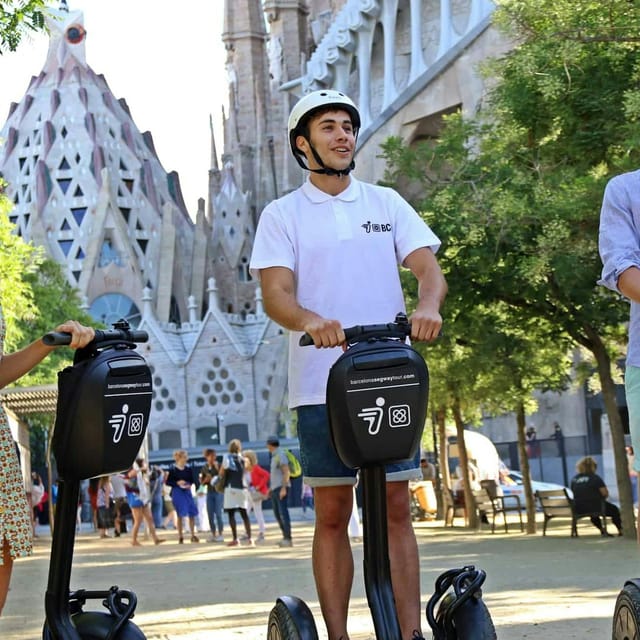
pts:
[552, 587]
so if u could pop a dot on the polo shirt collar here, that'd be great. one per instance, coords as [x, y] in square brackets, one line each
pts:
[318, 197]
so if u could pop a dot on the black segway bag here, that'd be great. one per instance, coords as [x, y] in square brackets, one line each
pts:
[104, 401]
[377, 395]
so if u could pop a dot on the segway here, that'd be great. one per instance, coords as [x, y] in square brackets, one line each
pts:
[377, 396]
[103, 407]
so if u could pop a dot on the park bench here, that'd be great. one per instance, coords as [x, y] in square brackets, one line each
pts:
[497, 505]
[556, 503]
[485, 504]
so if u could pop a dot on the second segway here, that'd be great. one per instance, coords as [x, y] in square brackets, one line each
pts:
[104, 401]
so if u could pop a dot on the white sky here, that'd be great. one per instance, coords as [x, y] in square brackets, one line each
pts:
[179, 47]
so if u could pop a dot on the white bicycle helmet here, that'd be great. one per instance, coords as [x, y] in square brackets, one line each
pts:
[299, 118]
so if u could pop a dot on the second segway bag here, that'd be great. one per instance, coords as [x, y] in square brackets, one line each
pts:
[104, 401]
[377, 395]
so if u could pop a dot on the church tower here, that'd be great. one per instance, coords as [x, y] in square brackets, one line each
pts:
[88, 186]
[287, 48]
[247, 123]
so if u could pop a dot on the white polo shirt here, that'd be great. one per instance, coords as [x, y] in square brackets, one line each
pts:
[344, 252]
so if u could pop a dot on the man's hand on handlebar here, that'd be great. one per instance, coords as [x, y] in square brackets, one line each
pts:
[426, 325]
[81, 336]
[325, 333]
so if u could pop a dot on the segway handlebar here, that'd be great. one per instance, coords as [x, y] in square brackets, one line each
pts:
[400, 329]
[56, 338]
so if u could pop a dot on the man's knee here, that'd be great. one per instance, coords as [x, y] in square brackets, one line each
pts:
[398, 505]
[333, 506]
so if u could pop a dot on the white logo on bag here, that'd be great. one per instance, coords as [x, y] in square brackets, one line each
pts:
[373, 416]
[117, 421]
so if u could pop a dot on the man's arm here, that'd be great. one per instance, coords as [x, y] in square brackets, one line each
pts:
[281, 305]
[286, 474]
[618, 241]
[426, 320]
[629, 283]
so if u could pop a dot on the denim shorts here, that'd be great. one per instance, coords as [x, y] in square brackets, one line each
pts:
[321, 465]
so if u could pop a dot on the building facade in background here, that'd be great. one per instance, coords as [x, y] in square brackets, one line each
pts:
[89, 187]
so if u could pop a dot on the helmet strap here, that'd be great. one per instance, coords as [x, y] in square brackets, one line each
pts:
[328, 171]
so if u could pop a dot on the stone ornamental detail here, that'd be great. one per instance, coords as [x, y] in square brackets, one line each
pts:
[348, 48]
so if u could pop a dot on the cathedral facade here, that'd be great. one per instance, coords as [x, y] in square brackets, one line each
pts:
[88, 186]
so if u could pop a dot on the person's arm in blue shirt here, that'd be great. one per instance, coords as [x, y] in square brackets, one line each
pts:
[619, 238]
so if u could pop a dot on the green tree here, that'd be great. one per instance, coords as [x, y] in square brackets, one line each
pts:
[56, 301]
[516, 193]
[36, 298]
[18, 18]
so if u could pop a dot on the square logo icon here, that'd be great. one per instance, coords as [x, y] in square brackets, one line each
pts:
[399, 415]
[136, 424]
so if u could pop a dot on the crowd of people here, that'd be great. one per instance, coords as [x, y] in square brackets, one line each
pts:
[184, 497]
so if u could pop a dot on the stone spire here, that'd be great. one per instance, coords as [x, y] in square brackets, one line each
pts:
[214, 170]
[287, 47]
[232, 241]
[244, 36]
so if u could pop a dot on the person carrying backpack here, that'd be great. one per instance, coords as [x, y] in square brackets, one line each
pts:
[280, 486]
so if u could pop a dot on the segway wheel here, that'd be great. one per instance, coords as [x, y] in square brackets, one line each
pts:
[291, 619]
[473, 622]
[626, 617]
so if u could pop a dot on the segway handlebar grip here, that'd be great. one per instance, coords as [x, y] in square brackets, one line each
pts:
[401, 328]
[305, 340]
[57, 338]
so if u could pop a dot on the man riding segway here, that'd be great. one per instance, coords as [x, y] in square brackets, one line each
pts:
[328, 257]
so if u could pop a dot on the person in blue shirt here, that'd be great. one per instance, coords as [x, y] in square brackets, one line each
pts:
[619, 246]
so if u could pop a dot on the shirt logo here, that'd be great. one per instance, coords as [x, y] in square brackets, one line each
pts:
[376, 227]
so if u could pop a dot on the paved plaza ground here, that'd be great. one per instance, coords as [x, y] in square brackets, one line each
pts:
[552, 587]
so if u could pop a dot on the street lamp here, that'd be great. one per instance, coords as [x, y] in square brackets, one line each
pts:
[216, 435]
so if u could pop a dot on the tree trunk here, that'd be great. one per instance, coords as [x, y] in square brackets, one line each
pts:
[443, 478]
[473, 522]
[617, 434]
[525, 470]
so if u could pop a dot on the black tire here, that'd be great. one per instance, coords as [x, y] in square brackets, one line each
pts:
[474, 622]
[626, 616]
[291, 619]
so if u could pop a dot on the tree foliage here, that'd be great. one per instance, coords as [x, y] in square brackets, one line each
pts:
[18, 18]
[18, 261]
[515, 194]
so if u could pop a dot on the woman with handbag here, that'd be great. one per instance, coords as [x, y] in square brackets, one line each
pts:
[105, 506]
[180, 478]
[258, 489]
[138, 499]
[215, 497]
[235, 493]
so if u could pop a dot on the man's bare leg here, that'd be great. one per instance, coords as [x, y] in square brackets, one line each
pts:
[332, 558]
[404, 558]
